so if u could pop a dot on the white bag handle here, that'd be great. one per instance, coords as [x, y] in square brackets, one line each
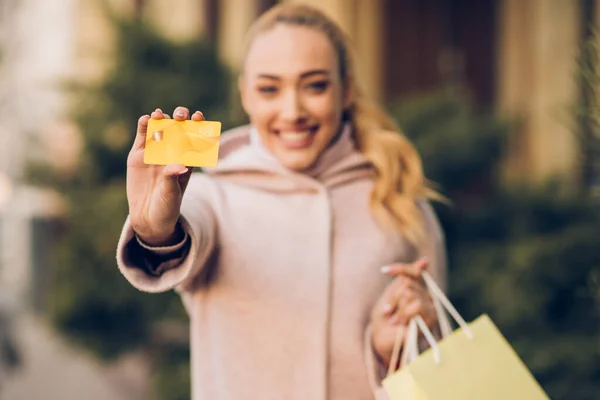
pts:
[437, 294]
[410, 346]
[443, 307]
[418, 322]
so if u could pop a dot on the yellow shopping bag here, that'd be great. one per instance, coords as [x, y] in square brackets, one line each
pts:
[474, 362]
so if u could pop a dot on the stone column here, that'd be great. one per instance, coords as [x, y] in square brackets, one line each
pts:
[368, 42]
[235, 18]
[537, 62]
[177, 19]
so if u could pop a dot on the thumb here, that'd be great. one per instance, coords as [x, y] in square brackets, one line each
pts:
[171, 174]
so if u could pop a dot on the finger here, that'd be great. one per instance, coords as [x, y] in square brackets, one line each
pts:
[391, 297]
[409, 306]
[404, 290]
[427, 311]
[175, 170]
[167, 116]
[412, 270]
[198, 116]
[181, 114]
[415, 301]
[184, 178]
[157, 114]
[170, 183]
[412, 308]
[388, 308]
[142, 128]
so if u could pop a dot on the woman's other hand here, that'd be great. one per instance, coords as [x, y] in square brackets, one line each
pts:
[405, 297]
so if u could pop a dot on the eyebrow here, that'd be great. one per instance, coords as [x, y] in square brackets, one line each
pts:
[302, 76]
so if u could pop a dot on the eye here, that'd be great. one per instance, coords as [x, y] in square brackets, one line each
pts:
[318, 86]
[267, 89]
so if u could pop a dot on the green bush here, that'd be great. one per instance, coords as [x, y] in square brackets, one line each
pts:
[89, 300]
[528, 256]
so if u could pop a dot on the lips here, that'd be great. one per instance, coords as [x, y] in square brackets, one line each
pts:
[298, 137]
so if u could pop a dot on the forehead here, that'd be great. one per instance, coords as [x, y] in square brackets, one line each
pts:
[290, 51]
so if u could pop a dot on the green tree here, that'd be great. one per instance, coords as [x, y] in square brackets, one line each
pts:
[89, 300]
[528, 256]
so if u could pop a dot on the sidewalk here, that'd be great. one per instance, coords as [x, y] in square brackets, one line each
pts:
[53, 370]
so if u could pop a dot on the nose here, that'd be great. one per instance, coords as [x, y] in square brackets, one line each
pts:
[292, 109]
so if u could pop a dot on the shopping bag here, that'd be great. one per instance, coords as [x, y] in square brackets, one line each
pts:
[473, 362]
[191, 143]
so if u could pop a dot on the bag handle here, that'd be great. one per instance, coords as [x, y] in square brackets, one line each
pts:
[443, 307]
[438, 294]
[410, 345]
[411, 350]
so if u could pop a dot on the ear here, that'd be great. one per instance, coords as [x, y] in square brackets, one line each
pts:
[243, 92]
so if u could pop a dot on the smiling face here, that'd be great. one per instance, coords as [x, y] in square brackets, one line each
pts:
[293, 93]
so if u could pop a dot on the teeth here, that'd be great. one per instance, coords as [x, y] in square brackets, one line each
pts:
[295, 136]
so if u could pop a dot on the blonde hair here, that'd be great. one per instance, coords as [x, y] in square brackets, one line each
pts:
[399, 181]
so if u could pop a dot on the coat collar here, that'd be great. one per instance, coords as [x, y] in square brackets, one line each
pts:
[246, 161]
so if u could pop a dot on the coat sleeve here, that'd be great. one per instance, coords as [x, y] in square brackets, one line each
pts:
[434, 248]
[159, 269]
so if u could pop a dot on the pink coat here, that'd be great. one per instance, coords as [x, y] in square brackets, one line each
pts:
[278, 273]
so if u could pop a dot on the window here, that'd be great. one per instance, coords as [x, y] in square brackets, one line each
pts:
[211, 18]
[264, 5]
[139, 7]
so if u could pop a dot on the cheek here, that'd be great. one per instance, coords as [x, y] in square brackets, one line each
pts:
[326, 108]
[260, 111]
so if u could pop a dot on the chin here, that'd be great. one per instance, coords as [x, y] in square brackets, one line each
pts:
[297, 162]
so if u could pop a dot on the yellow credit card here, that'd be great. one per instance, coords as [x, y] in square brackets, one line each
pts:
[192, 143]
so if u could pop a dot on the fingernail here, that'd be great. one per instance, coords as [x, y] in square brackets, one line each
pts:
[385, 269]
[158, 110]
[183, 172]
[387, 308]
[179, 113]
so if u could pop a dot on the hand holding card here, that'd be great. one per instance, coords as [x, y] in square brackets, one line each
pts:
[157, 176]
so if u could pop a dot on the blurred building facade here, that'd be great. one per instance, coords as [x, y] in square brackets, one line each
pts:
[515, 57]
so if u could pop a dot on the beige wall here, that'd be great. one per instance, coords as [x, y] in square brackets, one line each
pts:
[235, 19]
[177, 19]
[538, 45]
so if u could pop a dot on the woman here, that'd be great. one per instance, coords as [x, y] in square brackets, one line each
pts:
[278, 251]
